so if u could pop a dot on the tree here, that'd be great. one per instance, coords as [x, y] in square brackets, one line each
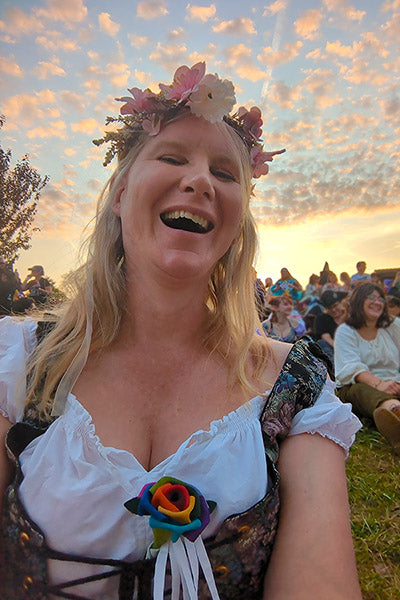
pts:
[20, 189]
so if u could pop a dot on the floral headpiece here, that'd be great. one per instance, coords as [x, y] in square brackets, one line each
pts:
[192, 90]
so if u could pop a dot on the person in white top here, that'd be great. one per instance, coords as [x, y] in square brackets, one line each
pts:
[155, 369]
[367, 348]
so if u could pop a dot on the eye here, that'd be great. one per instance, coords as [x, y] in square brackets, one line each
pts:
[171, 160]
[224, 175]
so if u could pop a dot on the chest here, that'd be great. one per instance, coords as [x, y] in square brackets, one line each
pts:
[149, 407]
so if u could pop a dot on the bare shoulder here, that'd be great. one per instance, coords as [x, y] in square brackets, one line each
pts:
[273, 366]
[280, 351]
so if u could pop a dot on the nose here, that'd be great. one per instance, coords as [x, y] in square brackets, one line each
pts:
[197, 180]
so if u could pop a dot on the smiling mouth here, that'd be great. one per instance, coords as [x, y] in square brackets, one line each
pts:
[186, 221]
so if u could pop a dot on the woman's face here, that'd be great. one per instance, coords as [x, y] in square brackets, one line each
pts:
[181, 203]
[373, 306]
[285, 307]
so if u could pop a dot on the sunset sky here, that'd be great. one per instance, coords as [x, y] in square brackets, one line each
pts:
[325, 74]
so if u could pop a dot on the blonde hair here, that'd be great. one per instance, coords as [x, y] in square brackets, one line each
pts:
[233, 316]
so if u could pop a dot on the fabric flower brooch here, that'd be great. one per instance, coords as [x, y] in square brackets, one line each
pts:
[175, 508]
[178, 514]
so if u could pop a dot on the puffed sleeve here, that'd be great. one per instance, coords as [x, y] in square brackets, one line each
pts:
[17, 340]
[329, 417]
[348, 361]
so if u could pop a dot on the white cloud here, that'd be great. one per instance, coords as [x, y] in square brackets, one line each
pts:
[169, 56]
[238, 26]
[200, 13]
[17, 22]
[53, 129]
[138, 41]
[307, 25]
[89, 126]
[275, 7]
[54, 41]
[344, 9]
[107, 25]
[176, 34]
[72, 100]
[9, 67]
[272, 59]
[71, 11]
[44, 70]
[151, 9]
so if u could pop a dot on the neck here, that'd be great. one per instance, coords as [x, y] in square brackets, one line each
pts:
[370, 323]
[280, 318]
[157, 313]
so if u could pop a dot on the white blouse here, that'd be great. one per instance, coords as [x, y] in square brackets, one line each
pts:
[74, 488]
[354, 354]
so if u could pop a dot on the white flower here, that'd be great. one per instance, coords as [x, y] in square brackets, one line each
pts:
[213, 99]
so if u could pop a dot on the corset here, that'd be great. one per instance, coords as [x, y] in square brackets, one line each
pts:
[240, 550]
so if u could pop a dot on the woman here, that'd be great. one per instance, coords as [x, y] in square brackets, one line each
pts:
[367, 350]
[281, 325]
[332, 283]
[325, 325]
[287, 283]
[159, 343]
[346, 282]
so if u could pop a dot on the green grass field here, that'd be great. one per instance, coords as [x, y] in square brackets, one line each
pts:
[373, 472]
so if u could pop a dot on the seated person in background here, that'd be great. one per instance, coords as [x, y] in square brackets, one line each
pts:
[393, 302]
[396, 281]
[367, 350]
[326, 323]
[38, 286]
[346, 281]
[331, 283]
[361, 276]
[287, 283]
[376, 280]
[267, 285]
[281, 324]
[312, 288]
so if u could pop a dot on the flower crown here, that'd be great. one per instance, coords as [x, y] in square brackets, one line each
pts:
[192, 90]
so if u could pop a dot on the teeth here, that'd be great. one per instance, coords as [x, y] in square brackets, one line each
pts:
[175, 214]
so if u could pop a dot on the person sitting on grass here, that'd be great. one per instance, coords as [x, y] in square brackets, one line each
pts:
[326, 323]
[367, 350]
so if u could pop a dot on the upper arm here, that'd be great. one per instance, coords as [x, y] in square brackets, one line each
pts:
[313, 554]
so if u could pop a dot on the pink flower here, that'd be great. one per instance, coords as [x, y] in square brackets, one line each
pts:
[213, 99]
[140, 101]
[152, 124]
[185, 82]
[258, 158]
[251, 121]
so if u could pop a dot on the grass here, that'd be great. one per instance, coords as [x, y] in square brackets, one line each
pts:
[373, 472]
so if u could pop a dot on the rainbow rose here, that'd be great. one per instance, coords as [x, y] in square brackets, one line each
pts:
[175, 508]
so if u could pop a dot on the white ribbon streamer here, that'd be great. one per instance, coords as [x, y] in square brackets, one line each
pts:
[185, 558]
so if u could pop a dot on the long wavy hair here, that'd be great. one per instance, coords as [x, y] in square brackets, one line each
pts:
[356, 315]
[233, 316]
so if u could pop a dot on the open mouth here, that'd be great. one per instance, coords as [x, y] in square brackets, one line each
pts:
[186, 221]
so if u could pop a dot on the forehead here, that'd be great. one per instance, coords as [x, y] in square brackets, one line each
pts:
[191, 132]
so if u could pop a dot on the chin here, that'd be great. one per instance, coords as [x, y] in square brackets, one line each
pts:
[184, 266]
